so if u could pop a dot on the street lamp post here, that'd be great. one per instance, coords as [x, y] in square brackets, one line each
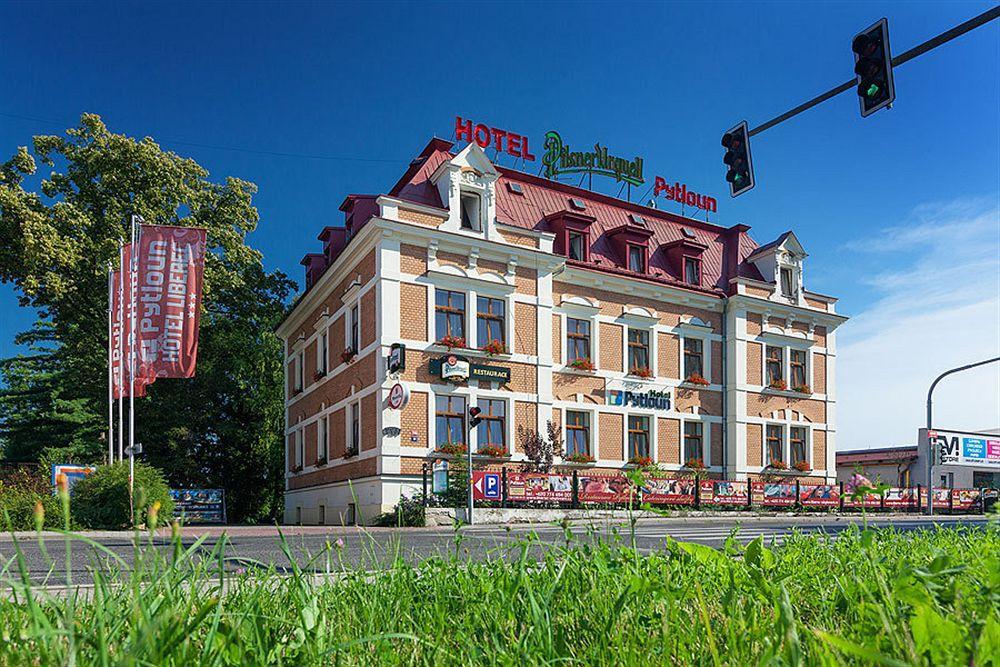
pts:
[930, 422]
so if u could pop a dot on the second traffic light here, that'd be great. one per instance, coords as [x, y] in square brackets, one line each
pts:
[873, 65]
[740, 173]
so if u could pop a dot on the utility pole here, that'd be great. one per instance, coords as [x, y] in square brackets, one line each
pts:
[930, 425]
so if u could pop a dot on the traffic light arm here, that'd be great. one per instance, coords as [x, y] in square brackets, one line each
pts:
[918, 50]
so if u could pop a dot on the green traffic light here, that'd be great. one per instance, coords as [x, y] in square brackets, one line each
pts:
[872, 90]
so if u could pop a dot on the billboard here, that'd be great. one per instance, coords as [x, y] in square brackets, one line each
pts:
[822, 495]
[528, 486]
[662, 491]
[962, 448]
[773, 495]
[604, 489]
[199, 505]
[717, 492]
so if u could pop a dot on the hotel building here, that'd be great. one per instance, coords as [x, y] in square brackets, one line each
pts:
[640, 333]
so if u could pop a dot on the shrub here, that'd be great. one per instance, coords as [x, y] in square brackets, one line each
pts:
[101, 499]
[408, 513]
[19, 494]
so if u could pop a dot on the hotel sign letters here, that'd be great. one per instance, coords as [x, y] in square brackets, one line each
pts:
[485, 136]
[559, 159]
[678, 192]
[653, 400]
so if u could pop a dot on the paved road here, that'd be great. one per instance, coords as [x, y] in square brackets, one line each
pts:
[313, 546]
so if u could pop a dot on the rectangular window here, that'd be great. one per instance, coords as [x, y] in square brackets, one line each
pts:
[355, 336]
[797, 365]
[775, 365]
[693, 441]
[300, 448]
[323, 353]
[637, 258]
[492, 426]
[577, 246]
[693, 357]
[355, 442]
[692, 271]
[323, 450]
[470, 211]
[775, 443]
[300, 363]
[638, 349]
[797, 442]
[577, 339]
[638, 436]
[787, 286]
[577, 432]
[491, 321]
[449, 421]
[449, 313]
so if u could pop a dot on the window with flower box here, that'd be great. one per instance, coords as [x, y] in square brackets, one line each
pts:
[492, 427]
[775, 445]
[577, 339]
[638, 436]
[694, 358]
[638, 349]
[577, 433]
[775, 366]
[797, 366]
[449, 421]
[693, 441]
[797, 442]
[491, 320]
[449, 314]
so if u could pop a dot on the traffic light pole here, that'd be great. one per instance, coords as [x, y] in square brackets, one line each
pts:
[918, 50]
[930, 425]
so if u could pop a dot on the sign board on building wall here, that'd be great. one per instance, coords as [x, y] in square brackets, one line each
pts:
[457, 369]
[632, 394]
[397, 358]
[962, 448]
[560, 159]
[399, 396]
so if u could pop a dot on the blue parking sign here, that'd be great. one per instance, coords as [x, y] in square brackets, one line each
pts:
[491, 485]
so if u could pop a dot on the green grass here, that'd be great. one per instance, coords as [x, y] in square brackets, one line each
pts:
[867, 597]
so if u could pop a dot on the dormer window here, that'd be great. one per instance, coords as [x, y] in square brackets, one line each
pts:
[636, 258]
[787, 282]
[692, 271]
[577, 246]
[470, 211]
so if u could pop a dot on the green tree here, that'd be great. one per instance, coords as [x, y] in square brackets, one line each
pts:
[221, 428]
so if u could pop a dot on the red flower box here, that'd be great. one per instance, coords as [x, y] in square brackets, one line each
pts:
[641, 372]
[695, 464]
[802, 466]
[582, 364]
[452, 342]
[695, 378]
[641, 461]
[778, 384]
[492, 451]
[803, 389]
[494, 347]
[579, 457]
[347, 356]
[778, 464]
[451, 450]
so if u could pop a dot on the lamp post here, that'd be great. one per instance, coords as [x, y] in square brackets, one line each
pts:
[930, 409]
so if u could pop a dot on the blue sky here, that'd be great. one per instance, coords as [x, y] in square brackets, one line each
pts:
[899, 211]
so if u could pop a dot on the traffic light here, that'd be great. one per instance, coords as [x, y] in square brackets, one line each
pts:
[474, 418]
[740, 174]
[873, 65]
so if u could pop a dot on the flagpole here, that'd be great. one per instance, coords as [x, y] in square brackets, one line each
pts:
[133, 289]
[121, 346]
[111, 398]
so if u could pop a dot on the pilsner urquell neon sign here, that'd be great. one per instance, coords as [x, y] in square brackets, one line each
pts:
[559, 159]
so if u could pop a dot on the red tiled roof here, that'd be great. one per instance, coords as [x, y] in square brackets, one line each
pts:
[542, 197]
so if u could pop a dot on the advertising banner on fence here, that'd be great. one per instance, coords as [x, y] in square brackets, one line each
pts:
[824, 495]
[171, 268]
[200, 505]
[603, 489]
[715, 492]
[964, 499]
[870, 501]
[668, 491]
[898, 497]
[773, 495]
[541, 487]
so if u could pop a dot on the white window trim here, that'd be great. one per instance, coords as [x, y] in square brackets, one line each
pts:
[786, 442]
[653, 441]
[653, 358]
[508, 426]
[594, 336]
[706, 445]
[351, 407]
[300, 448]
[323, 435]
[349, 322]
[300, 368]
[706, 356]
[786, 361]
[322, 352]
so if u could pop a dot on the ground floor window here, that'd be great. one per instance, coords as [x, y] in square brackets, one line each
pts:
[449, 421]
[577, 432]
[492, 426]
[638, 437]
[775, 444]
[797, 440]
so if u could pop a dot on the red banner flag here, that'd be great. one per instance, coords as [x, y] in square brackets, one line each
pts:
[171, 270]
[120, 325]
